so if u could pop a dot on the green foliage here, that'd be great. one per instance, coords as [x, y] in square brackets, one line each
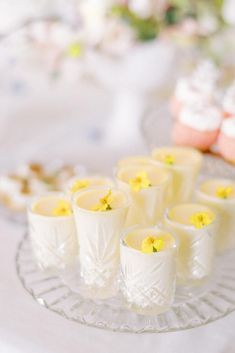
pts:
[145, 29]
[149, 28]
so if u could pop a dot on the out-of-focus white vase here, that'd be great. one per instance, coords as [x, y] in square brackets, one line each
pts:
[132, 78]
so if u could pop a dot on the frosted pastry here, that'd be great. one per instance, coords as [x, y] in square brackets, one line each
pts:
[147, 186]
[184, 164]
[219, 194]
[148, 269]
[52, 231]
[29, 180]
[195, 226]
[100, 215]
[198, 126]
[196, 89]
[226, 140]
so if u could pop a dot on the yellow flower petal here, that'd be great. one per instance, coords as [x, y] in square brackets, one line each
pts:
[63, 208]
[201, 219]
[169, 159]
[79, 184]
[141, 181]
[159, 244]
[75, 50]
[104, 203]
[224, 192]
[152, 244]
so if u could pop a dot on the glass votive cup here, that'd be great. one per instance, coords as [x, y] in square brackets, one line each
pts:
[147, 204]
[196, 247]
[99, 238]
[184, 164]
[223, 206]
[53, 238]
[147, 280]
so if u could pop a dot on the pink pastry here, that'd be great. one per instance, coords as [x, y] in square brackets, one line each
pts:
[197, 89]
[197, 127]
[229, 102]
[226, 140]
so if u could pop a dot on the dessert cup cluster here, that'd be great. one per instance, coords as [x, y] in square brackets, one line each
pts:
[202, 116]
[141, 233]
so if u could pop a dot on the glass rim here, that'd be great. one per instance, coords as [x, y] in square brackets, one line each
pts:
[166, 180]
[100, 187]
[58, 194]
[212, 198]
[155, 228]
[189, 226]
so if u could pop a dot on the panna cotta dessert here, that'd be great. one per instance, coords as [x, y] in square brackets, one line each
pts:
[198, 126]
[195, 226]
[130, 160]
[78, 183]
[147, 187]
[100, 215]
[52, 231]
[148, 269]
[219, 194]
[228, 103]
[197, 88]
[226, 140]
[184, 164]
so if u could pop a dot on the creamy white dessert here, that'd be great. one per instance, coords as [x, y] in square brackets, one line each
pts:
[52, 231]
[100, 215]
[219, 194]
[195, 226]
[184, 164]
[130, 160]
[148, 269]
[78, 183]
[147, 187]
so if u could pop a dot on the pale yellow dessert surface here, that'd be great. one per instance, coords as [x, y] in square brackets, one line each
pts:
[46, 205]
[130, 160]
[182, 213]
[93, 181]
[90, 198]
[182, 155]
[155, 174]
[210, 187]
[135, 238]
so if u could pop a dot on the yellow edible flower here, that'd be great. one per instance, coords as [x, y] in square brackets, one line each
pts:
[152, 244]
[104, 203]
[169, 159]
[201, 219]
[75, 50]
[63, 208]
[79, 184]
[141, 181]
[224, 192]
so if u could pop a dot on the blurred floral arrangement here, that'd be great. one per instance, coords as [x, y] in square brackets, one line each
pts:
[115, 26]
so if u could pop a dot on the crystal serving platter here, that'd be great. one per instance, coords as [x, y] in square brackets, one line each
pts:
[193, 306]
